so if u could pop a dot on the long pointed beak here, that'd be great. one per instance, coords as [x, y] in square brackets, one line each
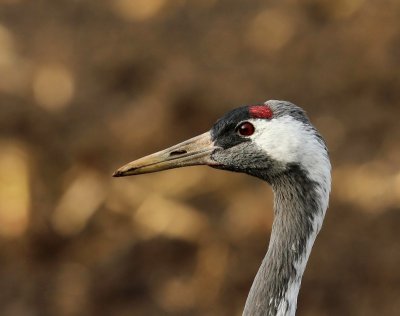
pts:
[195, 151]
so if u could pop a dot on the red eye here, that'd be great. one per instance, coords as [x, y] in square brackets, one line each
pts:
[245, 129]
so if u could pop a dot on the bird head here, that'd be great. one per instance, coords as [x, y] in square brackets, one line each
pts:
[263, 140]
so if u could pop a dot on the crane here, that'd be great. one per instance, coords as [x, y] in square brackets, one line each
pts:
[275, 142]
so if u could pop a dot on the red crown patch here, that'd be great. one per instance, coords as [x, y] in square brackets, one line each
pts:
[260, 111]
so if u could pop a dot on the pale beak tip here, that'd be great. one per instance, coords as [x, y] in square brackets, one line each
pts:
[118, 173]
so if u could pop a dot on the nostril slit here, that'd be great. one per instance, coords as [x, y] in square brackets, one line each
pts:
[178, 152]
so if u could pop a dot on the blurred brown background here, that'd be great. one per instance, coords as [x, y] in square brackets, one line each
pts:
[86, 86]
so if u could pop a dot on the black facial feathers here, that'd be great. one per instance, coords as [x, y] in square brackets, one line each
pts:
[223, 131]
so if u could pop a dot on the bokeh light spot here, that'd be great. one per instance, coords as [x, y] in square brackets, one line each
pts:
[79, 202]
[14, 190]
[6, 46]
[161, 216]
[137, 10]
[270, 31]
[373, 187]
[53, 86]
[345, 8]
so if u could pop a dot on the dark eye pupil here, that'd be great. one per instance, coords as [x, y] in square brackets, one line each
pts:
[246, 129]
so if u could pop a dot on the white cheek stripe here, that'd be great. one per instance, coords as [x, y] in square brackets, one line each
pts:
[291, 141]
[288, 140]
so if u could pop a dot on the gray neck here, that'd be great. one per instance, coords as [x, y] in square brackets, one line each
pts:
[299, 212]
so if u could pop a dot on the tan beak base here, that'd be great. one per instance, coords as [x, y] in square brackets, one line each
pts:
[195, 151]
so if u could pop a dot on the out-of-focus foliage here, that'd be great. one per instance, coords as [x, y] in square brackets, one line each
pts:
[86, 86]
